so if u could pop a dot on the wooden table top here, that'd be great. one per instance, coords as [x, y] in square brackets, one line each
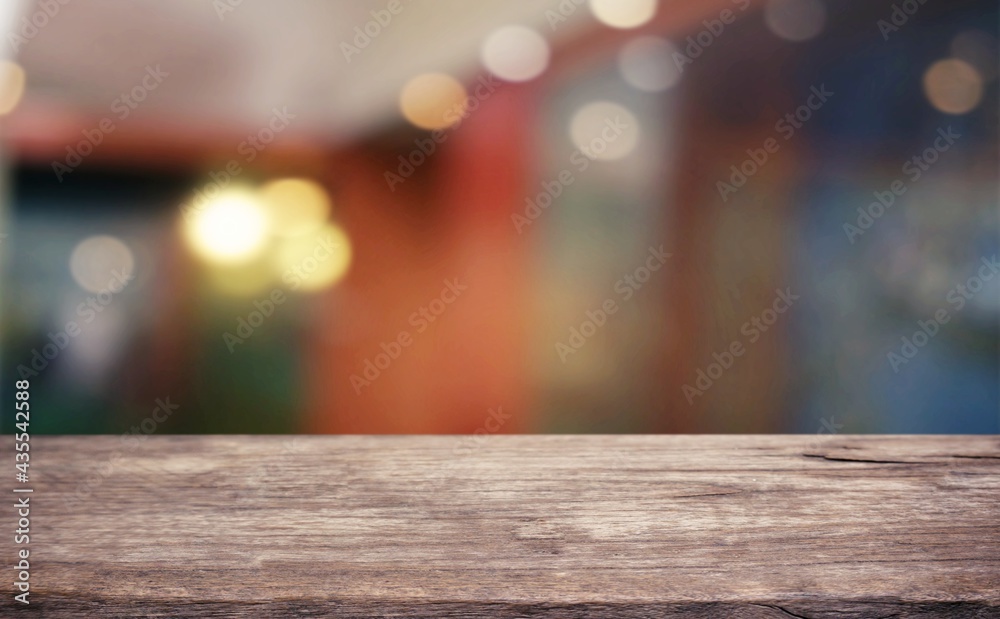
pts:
[512, 526]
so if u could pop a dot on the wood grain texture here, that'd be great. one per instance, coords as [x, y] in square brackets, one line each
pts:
[514, 526]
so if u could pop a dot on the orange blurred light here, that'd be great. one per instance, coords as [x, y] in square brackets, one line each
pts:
[12, 81]
[953, 86]
[433, 101]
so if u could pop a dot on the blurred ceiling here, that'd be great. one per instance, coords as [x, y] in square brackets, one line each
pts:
[230, 65]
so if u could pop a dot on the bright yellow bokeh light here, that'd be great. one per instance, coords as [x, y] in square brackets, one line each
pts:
[315, 261]
[12, 80]
[433, 101]
[953, 86]
[296, 206]
[231, 228]
[623, 13]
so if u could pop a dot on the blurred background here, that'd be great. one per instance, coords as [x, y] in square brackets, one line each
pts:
[442, 216]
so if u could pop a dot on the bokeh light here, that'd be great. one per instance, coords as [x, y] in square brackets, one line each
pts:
[953, 86]
[296, 206]
[515, 53]
[433, 101]
[795, 20]
[97, 261]
[313, 262]
[228, 229]
[604, 130]
[533, 161]
[623, 13]
[249, 279]
[12, 80]
[980, 50]
[647, 63]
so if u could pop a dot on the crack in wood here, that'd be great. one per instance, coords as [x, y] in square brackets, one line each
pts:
[861, 460]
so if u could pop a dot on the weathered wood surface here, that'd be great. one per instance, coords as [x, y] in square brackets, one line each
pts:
[525, 526]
